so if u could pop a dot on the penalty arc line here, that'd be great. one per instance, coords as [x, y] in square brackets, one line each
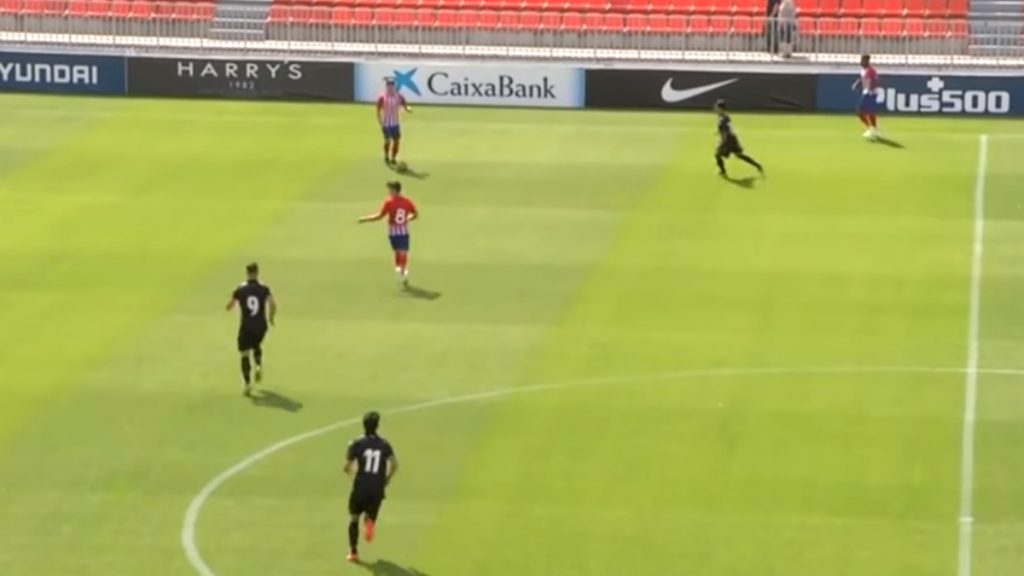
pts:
[195, 507]
[966, 540]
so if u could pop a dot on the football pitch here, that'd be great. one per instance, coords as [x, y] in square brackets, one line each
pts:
[612, 362]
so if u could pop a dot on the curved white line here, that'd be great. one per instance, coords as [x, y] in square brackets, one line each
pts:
[188, 529]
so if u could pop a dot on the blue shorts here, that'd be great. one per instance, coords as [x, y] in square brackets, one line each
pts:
[868, 103]
[399, 243]
[391, 132]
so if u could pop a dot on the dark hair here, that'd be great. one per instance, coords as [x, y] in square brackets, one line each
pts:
[395, 185]
[720, 104]
[371, 421]
[252, 268]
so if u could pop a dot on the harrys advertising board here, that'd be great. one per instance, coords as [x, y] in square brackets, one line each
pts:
[474, 84]
[929, 94]
[64, 73]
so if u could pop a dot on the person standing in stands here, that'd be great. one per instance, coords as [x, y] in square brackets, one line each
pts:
[770, 26]
[785, 26]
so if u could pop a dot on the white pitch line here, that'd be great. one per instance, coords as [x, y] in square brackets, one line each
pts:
[971, 373]
[195, 508]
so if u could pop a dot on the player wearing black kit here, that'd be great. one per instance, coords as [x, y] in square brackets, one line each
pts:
[728, 142]
[258, 308]
[374, 463]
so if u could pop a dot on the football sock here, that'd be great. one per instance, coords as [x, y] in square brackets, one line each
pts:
[398, 259]
[394, 149]
[749, 160]
[257, 355]
[873, 120]
[353, 535]
[864, 118]
[402, 259]
[246, 369]
[386, 147]
[721, 164]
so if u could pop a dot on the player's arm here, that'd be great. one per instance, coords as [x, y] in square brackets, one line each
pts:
[232, 301]
[271, 308]
[856, 83]
[405, 104]
[414, 212]
[392, 468]
[376, 216]
[350, 458]
[380, 110]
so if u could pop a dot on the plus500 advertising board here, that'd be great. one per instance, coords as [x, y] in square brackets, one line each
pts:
[929, 94]
[64, 73]
[474, 85]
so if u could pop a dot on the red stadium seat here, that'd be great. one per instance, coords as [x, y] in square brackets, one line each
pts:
[530, 21]
[914, 8]
[572, 21]
[551, 21]
[698, 24]
[827, 8]
[871, 27]
[342, 15]
[593, 21]
[637, 23]
[957, 8]
[853, 8]
[141, 9]
[615, 22]
[10, 6]
[935, 8]
[488, 20]
[893, 27]
[719, 24]
[447, 18]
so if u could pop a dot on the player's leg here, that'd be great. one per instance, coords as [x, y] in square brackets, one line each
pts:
[396, 143]
[257, 353]
[402, 257]
[355, 510]
[244, 347]
[737, 149]
[372, 511]
[387, 144]
[721, 153]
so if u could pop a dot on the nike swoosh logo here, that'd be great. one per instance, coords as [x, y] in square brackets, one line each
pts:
[672, 96]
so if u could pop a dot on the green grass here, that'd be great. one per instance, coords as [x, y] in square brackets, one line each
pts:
[597, 249]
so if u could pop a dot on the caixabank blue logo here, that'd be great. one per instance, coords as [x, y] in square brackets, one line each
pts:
[930, 94]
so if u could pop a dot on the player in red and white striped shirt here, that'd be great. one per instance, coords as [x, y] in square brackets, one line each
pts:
[390, 106]
[869, 84]
[400, 211]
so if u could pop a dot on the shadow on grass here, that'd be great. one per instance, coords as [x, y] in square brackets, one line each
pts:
[271, 399]
[385, 568]
[411, 291]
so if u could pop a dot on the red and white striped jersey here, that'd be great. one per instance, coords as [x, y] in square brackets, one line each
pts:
[869, 80]
[390, 107]
[398, 210]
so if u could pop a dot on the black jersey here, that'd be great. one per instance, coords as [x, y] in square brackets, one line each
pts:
[252, 299]
[725, 126]
[371, 454]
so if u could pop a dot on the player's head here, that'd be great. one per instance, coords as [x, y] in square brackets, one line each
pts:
[252, 270]
[865, 60]
[720, 106]
[389, 85]
[371, 421]
[394, 187]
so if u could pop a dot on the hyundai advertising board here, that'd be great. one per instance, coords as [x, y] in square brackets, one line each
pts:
[61, 73]
[929, 94]
[474, 84]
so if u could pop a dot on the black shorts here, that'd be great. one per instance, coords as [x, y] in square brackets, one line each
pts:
[365, 502]
[728, 146]
[250, 337]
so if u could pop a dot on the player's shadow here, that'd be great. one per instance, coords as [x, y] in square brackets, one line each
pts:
[271, 399]
[411, 291]
[745, 182]
[385, 568]
[410, 172]
[889, 142]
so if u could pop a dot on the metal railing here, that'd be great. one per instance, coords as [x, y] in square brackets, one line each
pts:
[524, 34]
